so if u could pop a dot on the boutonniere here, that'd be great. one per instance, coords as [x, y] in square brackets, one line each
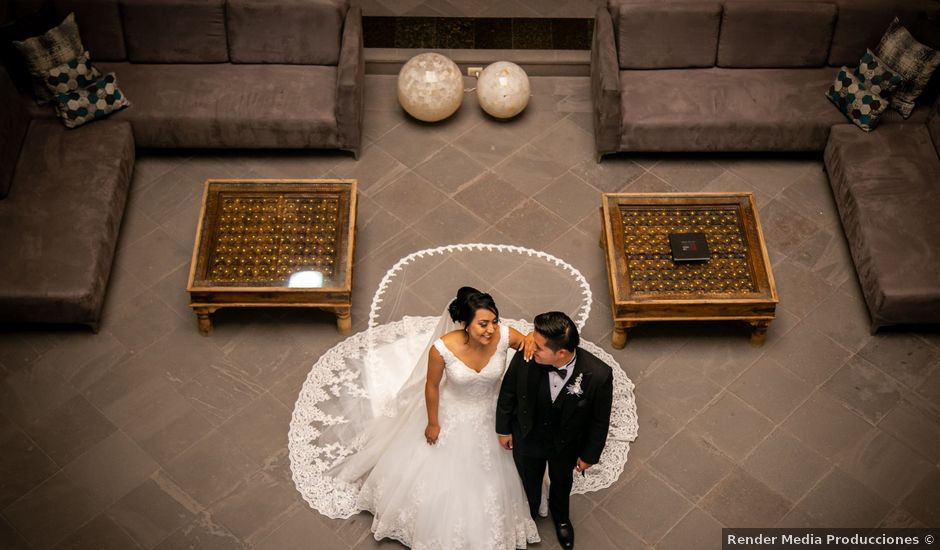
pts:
[575, 387]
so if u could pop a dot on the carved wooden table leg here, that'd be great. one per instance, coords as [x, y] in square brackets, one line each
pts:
[344, 323]
[619, 338]
[343, 318]
[205, 323]
[759, 332]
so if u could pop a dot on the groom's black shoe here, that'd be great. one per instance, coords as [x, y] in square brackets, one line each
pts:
[565, 534]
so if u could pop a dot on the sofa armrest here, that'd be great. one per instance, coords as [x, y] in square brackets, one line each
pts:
[605, 86]
[14, 124]
[350, 83]
[933, 125]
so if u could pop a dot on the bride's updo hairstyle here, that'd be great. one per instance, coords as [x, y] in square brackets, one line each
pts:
[464, 307]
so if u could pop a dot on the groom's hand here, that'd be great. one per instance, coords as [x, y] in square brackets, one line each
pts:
[505, 441]
[581, 465]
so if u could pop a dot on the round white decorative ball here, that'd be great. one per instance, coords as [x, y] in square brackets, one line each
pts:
[503, 89]
[430, 87]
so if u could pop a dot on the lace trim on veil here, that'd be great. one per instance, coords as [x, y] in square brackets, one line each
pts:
[331, 377]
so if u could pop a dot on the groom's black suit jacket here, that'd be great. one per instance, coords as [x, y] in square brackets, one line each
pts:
[585, 418]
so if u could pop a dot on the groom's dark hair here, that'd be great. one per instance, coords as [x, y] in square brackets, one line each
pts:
[558, 329]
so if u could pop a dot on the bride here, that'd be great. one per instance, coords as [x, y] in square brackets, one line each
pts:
[435, 476]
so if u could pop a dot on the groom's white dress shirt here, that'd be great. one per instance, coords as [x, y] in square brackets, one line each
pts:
[559, 377]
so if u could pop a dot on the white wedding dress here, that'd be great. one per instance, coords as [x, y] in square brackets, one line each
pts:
[356, 438]
[462, 492]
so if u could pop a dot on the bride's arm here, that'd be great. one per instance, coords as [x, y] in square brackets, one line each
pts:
[432, 394]
[522, 342]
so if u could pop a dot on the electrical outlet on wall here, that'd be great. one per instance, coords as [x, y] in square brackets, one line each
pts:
[474, 71]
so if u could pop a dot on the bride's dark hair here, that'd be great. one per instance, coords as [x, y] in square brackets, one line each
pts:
[464, 307]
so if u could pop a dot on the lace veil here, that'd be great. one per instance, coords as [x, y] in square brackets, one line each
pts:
[368, 388]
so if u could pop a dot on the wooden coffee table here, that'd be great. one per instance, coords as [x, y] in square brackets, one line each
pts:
[263, 243]
[647, 285]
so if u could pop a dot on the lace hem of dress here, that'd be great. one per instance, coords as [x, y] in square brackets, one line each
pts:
[331, 376]
[528, 535]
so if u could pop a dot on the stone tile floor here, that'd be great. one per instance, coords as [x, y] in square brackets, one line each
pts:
[148, 435]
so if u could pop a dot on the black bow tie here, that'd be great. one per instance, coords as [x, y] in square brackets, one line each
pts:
[563, 372]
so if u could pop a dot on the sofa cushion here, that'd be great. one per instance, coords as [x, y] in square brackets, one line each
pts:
[726, 109]
[58, 45]
[91, 103]
[288, 31]
[775, 34]
[175, 31]
[14, 122]
[65, 212]
[273, 106]
[99, 21]
[887, 187]
[666, 35]
[861, 105]
[916, 62]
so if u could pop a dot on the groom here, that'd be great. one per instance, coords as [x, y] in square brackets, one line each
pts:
[554, 409]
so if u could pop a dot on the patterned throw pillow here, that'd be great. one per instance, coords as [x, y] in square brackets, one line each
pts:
[876, 76]
[862, 106]
[56, 46]
[913, 60]
[68, 77]
[92, 103]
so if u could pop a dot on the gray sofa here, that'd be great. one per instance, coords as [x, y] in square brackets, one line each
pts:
[731, 76]
[61, 215]
[887, 188]
[751, 76]
[199, 74]
[229, 73]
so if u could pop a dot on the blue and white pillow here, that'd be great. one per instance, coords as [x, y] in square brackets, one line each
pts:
[94, 102]
[877, 76]
[71, 75]
[862, 106]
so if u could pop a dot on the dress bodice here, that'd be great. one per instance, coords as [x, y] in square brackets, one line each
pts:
[464, 383]
[468, 400]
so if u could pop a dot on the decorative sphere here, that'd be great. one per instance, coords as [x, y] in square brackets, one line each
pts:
[430, 87]
[503, 89]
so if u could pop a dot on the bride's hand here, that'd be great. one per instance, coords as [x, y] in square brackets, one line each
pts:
[431, 433]
[528, 346]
